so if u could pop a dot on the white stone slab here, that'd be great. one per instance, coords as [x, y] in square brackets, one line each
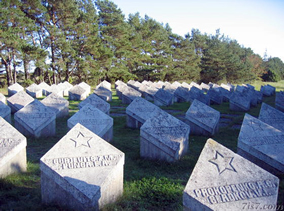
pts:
[138, 111]
[77, 93]
[202, 119]
[239, 102]
[104, 93]
[34, 90]
[81, 171]
[85, 86]
[95, 120]
[105, 84]
[163, 98]
[65, 87]
[18, 101]
[3, 98]
[129, 94]
[55, 89]
[279, 101]
[36, 120]
[45, 87]
[267, 90]
[15, 88]
[119, 89]
[5, 112]
[182, 94]
[222, 180]
[261, 143]
[205, 87]
[271, 116]
[215, 96]
[164, 137]
[12, 150]
[58, 104]
[97, 102]
[150, 92]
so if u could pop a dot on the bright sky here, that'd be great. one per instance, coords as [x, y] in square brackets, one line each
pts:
[257, 24]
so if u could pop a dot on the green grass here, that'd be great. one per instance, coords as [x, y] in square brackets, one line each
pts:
[148, 185]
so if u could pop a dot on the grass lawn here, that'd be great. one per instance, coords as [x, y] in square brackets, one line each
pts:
[148, 185]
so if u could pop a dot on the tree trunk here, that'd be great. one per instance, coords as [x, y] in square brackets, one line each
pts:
[26, 70]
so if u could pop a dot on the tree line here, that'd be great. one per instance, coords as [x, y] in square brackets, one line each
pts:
[85, 40]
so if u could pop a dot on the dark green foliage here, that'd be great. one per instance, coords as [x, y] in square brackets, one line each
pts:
[274, 70]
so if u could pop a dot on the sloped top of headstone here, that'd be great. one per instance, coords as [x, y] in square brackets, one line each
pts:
[20, 99]
[143, 88]
[2, 98]
[104, 84]
[151, 90]
[203, 114]
[166, 129]
[4, 109]
[35, 115]
[83, 160]
[65, 86]
[55, 89]
[16, 87]
[79, 90]
[176, 83]
[227, 87]
[10, 139]
[92, 118]
[142, 109]
[97, 102]
[163, 95]
[54, 100]
[279, 99]
[271, 116]
[131, 93]
[223, 180]
[240, 99]
[84, 85]
[169, 88]
[204, 86]
[33, 88]
[186, 85]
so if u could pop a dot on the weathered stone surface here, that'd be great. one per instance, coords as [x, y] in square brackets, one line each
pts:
[5, 112]
[78, 93]
[65, 87]
[228, 87]
[36, 120]
[95, 120]
[215, 96]
[222, 180]
[267, 90]
[85, 86]
[271, 116]
[163, 98]
[139, 111]
[55, 89]
[45, 87]
[97, 102]
[225, 93]
[104, 93]
[18, 101]
[119, 89]
[150, 92]
[202, 119]
[136, 85]
[239, 102]
[163, 137]
[58, 104]
[15, 88]
[81, 171]
[105, 84]
[196, 93]
[279, 101]
[34, 90]
[262, 144]
[3, 98]
[13, 144]
[182, 94]
[129, 94]
[205, 87]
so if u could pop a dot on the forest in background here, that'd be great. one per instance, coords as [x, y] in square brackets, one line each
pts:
[91, 41]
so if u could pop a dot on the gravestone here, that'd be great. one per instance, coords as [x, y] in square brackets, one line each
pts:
[65, 87]
[119, 89]
[45, 87]
[225, 93]
[143, 89]
[261, 144]
[182, 94]
[105, 84]
[239, 102]
[158, 85]
[228, 87]
[279, 101]
[104, 93]
[81, 172]
[97, 102]
[78, 93]
[13, 144]
[3, 98]
[150, 92]
[129, 94]
[136, 85]
[93, 119]
[34, 90]
[85, 86]
[58, 104]
[118, 82]
[205, 87]
[163, 137]
[15, 88]
[215, 96]
[198, 94]
[202, 119]
[5, 112]
[222, 180]
[267, 90]
[163, 98]
[176, 84]
[138, 111]
[55, 89]
[271, 116]
[18, 101]
[36, 120]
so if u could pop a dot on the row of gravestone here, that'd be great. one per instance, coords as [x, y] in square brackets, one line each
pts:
[162, 137]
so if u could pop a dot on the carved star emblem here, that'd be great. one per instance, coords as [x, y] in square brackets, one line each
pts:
[81, 140]
[222, 163]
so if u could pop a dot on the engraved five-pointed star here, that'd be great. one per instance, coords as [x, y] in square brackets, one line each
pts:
[222, 163]
[81, 140]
